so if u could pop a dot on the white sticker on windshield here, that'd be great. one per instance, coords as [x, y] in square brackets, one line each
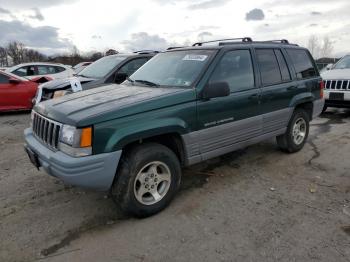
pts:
[195, 58]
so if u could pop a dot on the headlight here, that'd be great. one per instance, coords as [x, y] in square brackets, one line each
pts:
[76, 141]
[31, 118]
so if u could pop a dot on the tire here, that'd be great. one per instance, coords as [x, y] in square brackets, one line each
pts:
[324, 109]
[134, 191]
[290, 142]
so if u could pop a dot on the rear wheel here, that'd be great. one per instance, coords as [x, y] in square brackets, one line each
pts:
[147, 180]
[297, 132]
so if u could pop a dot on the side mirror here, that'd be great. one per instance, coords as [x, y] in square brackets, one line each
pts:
[14, 81]
[217, 89]
[120, 77]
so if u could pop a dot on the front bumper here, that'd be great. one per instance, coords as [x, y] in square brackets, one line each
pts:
[96, 172]
[337, 103]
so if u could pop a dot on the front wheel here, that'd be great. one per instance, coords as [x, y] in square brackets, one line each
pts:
[297, 132]
[147, 180]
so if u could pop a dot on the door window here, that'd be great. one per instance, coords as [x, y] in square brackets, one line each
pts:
[235, 68]
[283, 65]
[269, 69]
[43, 70]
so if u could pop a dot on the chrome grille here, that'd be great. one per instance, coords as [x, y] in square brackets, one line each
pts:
[46, 130]
[337, 85]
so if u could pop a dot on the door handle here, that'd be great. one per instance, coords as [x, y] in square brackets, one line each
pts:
[254, 96]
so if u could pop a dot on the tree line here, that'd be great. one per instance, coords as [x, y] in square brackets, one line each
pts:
[16, 53]
[320, 48]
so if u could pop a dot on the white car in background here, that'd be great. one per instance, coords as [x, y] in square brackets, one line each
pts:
[337, 84]
[37, 69]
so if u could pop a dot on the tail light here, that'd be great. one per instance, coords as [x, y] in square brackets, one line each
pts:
[321, 88]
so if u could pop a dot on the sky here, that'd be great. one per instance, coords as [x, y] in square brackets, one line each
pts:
[55, 26]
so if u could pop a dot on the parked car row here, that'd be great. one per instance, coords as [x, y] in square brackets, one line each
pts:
[108, 69]
[181, 107]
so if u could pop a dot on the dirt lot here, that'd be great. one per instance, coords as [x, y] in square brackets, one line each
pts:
[257, 204]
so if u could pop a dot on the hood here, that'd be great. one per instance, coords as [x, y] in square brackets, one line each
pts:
[61, 83]
[110, 102]
[336, 74]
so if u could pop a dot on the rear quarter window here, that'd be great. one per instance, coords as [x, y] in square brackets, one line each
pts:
[59, 69]
[303, 63]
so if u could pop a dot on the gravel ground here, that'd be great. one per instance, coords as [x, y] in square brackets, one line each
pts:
[256, 204]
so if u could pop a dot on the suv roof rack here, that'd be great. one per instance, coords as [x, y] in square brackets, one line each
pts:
[282, 41]
[175, 47]
[145, 52]
[230, 41]
[242, 39]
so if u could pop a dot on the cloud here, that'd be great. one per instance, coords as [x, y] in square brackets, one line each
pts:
[96, 37]
[207, 4]
[27, 4]
[204, 35]
[144, 41]
[254, 15]
[316, 13]
[4, 11]
[195, 4]
[37, 14]
[42, 37]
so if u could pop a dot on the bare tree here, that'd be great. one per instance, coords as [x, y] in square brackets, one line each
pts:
[3, 57]
[314, 46]
[327, 47]
[12, 50]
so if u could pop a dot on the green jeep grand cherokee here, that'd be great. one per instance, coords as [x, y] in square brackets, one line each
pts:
[184, 106]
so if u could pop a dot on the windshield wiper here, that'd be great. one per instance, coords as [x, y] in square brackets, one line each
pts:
[146, 82]
[82, 75]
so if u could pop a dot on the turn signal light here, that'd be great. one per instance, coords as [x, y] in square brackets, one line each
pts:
[321, 88]
[86, 137]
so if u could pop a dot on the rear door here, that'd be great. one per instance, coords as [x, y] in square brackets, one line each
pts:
[226, 121]
[277, 88]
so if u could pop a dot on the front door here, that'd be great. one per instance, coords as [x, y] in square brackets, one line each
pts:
[232, 120]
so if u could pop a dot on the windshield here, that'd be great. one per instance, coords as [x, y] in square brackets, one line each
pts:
[343, 63]
[177, 68]
[101, 67]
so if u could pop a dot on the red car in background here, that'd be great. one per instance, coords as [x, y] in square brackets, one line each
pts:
[16, 93]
